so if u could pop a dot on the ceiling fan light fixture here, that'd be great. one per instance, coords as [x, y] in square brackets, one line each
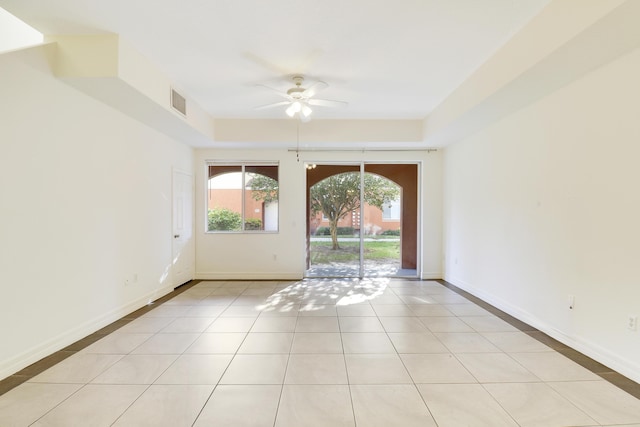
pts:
[294, 108]
[300, 100]
[290, 111]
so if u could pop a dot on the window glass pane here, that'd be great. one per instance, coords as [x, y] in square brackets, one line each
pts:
[233, 207]
[224, 199]
[261, 199]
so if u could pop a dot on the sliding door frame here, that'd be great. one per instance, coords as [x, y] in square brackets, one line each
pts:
[362, 170]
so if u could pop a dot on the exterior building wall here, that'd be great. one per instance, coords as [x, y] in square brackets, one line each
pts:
[232, 199]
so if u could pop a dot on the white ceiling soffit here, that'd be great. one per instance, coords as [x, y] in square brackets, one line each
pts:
[15, 34]
[562, 44]
[388, 60]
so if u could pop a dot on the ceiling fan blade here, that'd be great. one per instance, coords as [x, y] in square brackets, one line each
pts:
[314, 88]
[327, 103]
[279, 92]
[266, 64]
[276, 104]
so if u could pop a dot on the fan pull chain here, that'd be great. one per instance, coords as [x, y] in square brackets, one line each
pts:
[298, 142]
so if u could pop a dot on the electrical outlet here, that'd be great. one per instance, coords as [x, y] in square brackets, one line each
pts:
[632, 323]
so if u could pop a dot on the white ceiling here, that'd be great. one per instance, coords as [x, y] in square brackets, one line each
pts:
[388, 59]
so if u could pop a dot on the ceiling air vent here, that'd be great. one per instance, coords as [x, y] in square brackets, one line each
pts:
[178, 102]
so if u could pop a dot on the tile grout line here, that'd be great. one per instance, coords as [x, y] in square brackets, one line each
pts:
[346, 370]
[132, 403]
[286, 369]
[504, 316]
[215, 387]
[171, 364]
[499, 404]
[64, 400]
[632, 388]
[415, 386]
[111, 365]
[284, 378]
[128, 318]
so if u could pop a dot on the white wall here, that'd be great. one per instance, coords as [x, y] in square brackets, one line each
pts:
[85, 204]
[431, 194]
[282, 255]
[546, 204]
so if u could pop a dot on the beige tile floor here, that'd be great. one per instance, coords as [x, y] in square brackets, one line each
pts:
[373, 352]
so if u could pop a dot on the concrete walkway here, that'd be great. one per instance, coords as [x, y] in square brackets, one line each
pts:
[355, 239]
[371, 269]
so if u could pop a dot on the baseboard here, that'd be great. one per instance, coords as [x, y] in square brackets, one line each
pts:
[242, 275]
[431, 275]
[228, 275]
[34, 354]
[623, 366]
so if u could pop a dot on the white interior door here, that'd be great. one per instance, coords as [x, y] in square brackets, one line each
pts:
[183, 251]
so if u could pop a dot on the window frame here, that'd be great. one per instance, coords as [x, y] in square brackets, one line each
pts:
[243, 165]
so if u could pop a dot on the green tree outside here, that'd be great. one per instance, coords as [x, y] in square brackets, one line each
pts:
[339, 195]
[336, 196]
[263, 188]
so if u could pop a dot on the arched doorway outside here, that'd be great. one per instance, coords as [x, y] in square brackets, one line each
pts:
[404, 175]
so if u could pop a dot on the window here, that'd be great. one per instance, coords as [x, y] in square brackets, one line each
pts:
[242, 197]
[391, 211]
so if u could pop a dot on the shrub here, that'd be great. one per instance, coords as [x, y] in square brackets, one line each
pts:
[253, 224]
[390, 232]
[322, 231]
[345, 231]
[223, 219]
[342, 231]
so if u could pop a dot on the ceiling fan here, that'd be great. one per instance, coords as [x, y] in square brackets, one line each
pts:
[300, 100]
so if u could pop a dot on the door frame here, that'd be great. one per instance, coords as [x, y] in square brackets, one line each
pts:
[361, 165]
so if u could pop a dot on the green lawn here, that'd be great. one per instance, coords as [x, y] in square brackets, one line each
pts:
[321, 252]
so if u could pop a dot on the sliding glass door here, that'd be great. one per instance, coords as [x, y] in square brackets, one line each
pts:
[334, 225]
[355, 217]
